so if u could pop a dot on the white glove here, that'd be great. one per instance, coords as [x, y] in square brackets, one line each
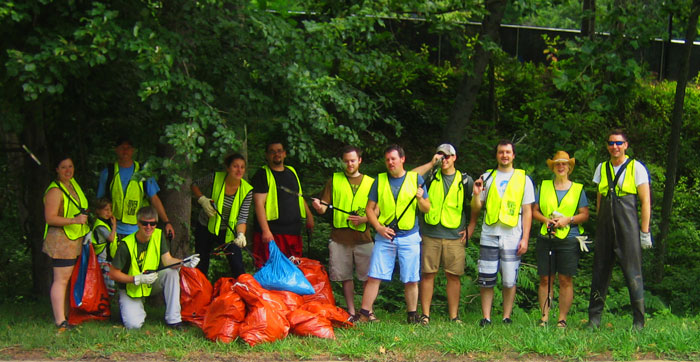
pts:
[149, 278]
[645, 239]
[191, 261]
[206, 205]
[240, 240]
[582, 241]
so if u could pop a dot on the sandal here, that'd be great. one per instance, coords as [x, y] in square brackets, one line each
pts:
[366, 316]
[64, 326]
[456, 320]
[561, 324]
[543, 323]
[424, 320]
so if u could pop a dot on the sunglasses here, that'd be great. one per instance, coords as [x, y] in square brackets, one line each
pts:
[619, 143]
[444, 155]
[148, 223]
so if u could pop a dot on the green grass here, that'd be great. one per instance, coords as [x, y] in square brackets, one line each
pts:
[27, 331]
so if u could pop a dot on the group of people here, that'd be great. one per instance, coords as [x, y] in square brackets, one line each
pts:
[423, 217]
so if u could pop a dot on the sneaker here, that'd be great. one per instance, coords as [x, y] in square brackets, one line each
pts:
[507, 321]
[179, 326]
[484, 322]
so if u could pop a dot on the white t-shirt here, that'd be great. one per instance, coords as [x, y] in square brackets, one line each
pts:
[501, 181]
[641, 176]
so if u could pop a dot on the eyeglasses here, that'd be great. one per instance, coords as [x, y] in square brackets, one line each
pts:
[272, 152]
[618, 143]
[148, 223]
[444, 155]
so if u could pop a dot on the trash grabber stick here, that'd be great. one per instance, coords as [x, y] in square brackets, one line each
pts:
[331, 207]
[69, 196]
[548, 303]
[223, 246]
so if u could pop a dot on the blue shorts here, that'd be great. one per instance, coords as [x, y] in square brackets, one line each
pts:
[384, 254]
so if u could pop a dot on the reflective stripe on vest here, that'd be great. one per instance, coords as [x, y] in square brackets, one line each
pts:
[124, 207]
[445, 210]
[217, 194]
[100, 247]
[344, 199]
[629, 186]
[151, 262]
[271, 206]
[568, 206]
[389, 208]
[73, 231]
[506, 209]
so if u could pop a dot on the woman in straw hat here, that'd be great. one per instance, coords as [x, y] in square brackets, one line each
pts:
[562, 207]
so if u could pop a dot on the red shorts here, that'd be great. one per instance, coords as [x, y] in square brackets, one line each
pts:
[289, 245]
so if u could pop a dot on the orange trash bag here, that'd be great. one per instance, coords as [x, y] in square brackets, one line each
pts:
[224, 317]
[338, 316]
[195, 295]
[222, 286]
[251, 291]
[305, 323]
[92, 302]
[316, 274]
[265, 321]
[292, 300]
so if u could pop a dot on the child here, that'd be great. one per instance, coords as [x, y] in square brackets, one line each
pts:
[104, 233]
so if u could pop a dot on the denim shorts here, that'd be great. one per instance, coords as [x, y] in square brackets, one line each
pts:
[385, 252]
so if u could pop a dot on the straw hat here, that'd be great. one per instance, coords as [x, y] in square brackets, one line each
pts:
[561, 156]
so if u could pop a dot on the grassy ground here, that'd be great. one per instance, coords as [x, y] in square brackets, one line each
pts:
[26, 331]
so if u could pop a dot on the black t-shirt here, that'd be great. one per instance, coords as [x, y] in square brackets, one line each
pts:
[289, 221]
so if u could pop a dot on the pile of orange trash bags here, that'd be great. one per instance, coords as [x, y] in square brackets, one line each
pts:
[241, 308]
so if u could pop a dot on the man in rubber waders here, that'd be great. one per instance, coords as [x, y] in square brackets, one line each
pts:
[507, 194]
[622, 182]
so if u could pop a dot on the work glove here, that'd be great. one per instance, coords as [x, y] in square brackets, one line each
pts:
[582, 243]
[240, 240]
[191, 261]
[207, 205]
[645, 239]
[149, 278]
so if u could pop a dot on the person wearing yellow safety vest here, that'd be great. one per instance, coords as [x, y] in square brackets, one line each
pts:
[65, 229]
[397, 232]
[278, 213]
[507, 194]
[127, 193]
[562, 207]
[622, 182]
[225, 209]
[104, 238]
[444, 230]
[350, 241]
[134, 268]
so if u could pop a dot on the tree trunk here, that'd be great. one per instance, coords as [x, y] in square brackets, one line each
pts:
[33, 180]
[674, 141]
[588, 20]
[471, 83]
[177, 203]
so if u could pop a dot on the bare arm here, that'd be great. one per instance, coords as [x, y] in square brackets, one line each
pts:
[119, 276]
[527, 223]
[423, 203]
[53, 210]
[196, 192]
[309, 216]
[372, 219]
[158, 205]
[259, 202]
[422, 169]
[643, 192]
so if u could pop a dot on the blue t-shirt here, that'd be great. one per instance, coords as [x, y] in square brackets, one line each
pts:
[125, 173]
[582, 202]
[395, 185]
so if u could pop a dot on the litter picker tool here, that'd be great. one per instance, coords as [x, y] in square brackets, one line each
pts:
[181, 262]
[223, 248]
[331, 207]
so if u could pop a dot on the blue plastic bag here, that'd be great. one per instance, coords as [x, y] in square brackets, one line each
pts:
[279, 273]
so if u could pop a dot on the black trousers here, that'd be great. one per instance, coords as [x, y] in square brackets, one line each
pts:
[617, 237]
[204, 242]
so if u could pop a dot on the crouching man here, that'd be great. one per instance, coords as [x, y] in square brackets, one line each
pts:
[134, 267]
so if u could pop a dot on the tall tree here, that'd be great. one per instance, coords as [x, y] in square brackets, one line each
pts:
[470, 84]
[674, 139]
